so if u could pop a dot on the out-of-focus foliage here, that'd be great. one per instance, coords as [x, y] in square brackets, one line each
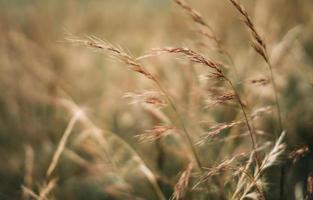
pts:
[38, 67]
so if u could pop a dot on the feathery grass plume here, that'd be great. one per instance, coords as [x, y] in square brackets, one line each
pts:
[209, 33]
[152, 102]
[272, 158]
[260, 47]
[192, 56]
[149, 98]
[225, 165]
[257, 43]
[182, 184]
[137, 67]
[195, 15]
[218, 73]
[156, 133]
[243, 178]
[221, 98]
[114, 51]
[216, 130]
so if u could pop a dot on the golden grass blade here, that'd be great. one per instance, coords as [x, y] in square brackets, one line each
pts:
[62, 143]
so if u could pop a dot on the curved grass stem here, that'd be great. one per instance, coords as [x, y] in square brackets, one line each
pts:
[250, 129]
[185, 131]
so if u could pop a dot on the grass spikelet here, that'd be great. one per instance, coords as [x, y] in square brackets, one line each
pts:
[156, 133]
[146, 98]
[114, 51]
[207, 32]
[217, 67]
[257, 43]
[221, 99]
[274, 156]
[192, 56]
[271, 159]
[182, 184]
[195, 15]
[216, 130]
[243, 177]
[260, 47]
[225, 165]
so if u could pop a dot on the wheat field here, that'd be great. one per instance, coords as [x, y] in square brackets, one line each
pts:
[156, 100]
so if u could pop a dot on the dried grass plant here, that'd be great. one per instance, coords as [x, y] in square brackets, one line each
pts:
[180, 110]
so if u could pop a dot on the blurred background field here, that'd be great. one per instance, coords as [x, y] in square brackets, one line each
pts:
[38, 66]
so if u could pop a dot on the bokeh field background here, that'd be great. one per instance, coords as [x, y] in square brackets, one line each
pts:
[45, 80]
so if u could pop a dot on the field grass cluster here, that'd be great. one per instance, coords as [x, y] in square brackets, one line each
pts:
[156, 100]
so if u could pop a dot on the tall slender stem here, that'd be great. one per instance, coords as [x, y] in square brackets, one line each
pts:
[282, 171]
[276, 97]
[251, 131]
[185, 131]
[182, 125]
